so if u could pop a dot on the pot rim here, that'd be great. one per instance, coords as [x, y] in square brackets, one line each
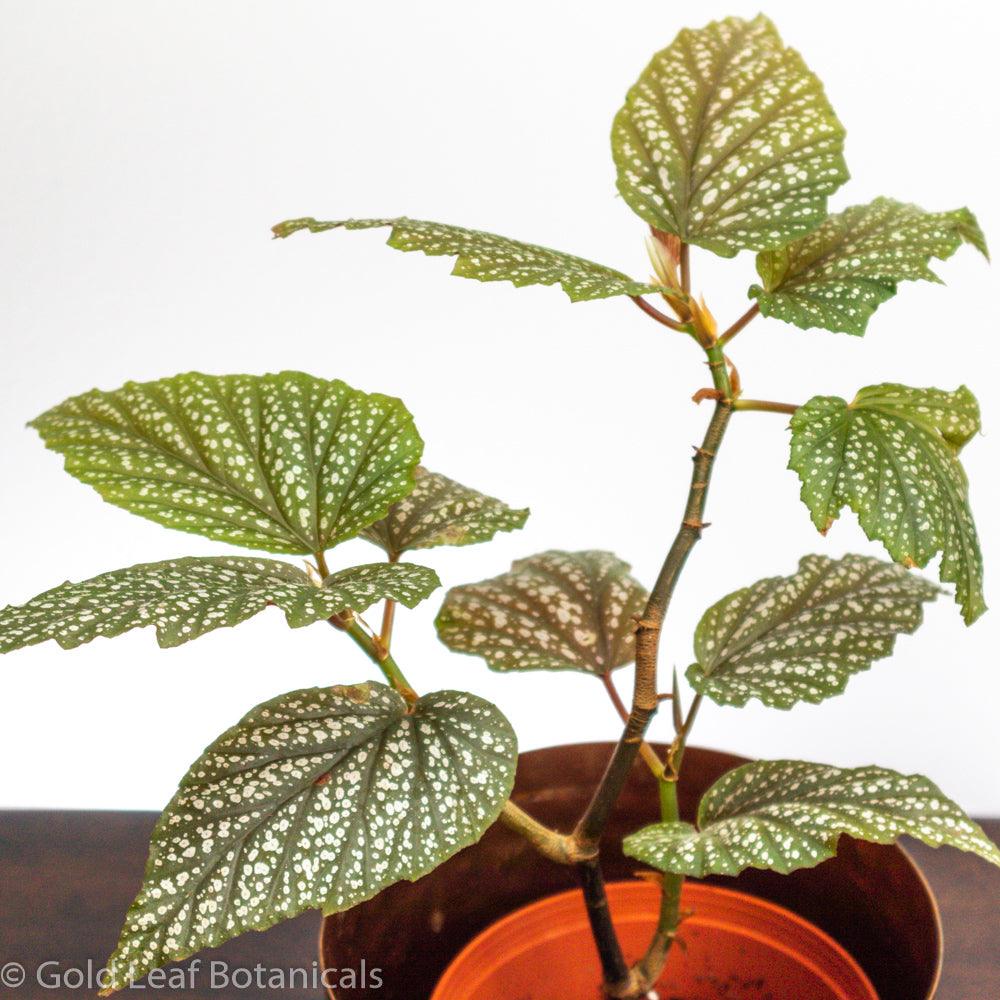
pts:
[939, 948]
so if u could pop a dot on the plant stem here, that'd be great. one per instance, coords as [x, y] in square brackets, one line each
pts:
[644, 698]
[660, 317]
[587, 834]
[555, 846]
[388, 612]
[685, 268]
[753, 311]
[378, 654]
[649, 755]
[617, 975]
[321, 565]
[764, 406]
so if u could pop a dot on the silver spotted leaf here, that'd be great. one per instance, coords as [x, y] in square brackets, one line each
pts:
[800, 638]
[488, 257]
[783, 815]
[838, 275]
[727, 140]
[185, 598]
[892, 456]
[553, 611]
[318, 799]
[440, 511]
[284, 463]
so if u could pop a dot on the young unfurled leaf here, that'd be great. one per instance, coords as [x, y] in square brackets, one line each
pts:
[488, 257]
[553, 611]
[440, 511]
[891, 456]
[801, 638]
[284, 463]
[185, 598]
[788, 814]
[727, 140]
[837, 276]
[319, 798]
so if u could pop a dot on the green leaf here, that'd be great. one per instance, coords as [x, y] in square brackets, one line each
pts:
[440, 511]
[185, 598]
[319, 798]
[284, 463]
[488, 257]
[727, 140]
[800, 638]
[553, 611]
[837, 276]
[784, 815]
[891, 456]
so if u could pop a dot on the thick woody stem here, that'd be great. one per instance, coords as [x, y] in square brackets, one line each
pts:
[644, 704]
[647, 640]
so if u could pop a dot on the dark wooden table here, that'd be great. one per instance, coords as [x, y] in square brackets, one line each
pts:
[66, 879]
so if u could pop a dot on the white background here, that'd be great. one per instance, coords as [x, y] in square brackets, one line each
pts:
[147, 149]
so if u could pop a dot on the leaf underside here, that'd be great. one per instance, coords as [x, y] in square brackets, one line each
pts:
[440, 511]
[801, 638]
[488, 257]
[892, 457]
[837, 276]
[284, 463]
[727, 140]
[553, 611]
[319, 798]
[185, 598]
[784, 815]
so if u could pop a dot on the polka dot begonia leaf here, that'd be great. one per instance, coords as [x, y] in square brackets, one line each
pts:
[783, 815]
[727, 140]
[185, 598]
[317, 799]
[553, 611]
[488, 257]
[801, 638]
[284, 463]
[440, 511]
[837, 276]
[892, 457]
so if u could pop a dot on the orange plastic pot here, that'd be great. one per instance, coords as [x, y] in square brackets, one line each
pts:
[734, 945]
[870, 898]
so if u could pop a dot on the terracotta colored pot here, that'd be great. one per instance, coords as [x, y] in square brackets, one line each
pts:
[734, 945]
[871, 899]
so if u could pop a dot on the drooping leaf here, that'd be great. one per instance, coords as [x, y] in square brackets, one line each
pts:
[837, 276]
[488, 257]
[801, 638]
[727, 140]
[284, 463]
[784, 815]
[440, 511]
[553, 611]
[185, 598]
[319, 798]
[892, 457]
